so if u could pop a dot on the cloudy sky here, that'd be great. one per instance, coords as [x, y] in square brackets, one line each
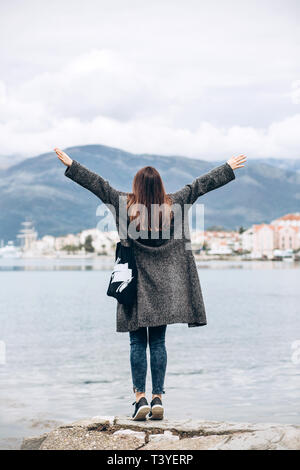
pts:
[205, 79]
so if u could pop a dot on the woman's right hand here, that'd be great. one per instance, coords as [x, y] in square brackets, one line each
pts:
[237, 162]
[64, 158]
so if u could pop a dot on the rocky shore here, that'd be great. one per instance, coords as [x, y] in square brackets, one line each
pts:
[121, 433]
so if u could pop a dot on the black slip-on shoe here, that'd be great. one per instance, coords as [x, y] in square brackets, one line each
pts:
[157, 410]
[142, 408]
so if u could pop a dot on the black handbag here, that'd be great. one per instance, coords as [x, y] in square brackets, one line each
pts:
[123, 282]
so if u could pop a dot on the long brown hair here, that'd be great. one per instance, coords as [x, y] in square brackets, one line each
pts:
[148, 189]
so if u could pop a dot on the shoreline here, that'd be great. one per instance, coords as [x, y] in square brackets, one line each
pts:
[198, 258]
[106, 263]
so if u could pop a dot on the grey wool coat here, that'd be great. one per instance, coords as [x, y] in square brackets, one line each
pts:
[168, 287]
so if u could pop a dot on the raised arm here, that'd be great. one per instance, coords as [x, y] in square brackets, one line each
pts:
[214, 179]
[89, 180]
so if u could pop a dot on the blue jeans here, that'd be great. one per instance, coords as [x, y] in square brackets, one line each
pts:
[158, 358]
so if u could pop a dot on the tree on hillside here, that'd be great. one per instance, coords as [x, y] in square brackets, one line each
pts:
[216, 228]
[71, 248]
[88, 244]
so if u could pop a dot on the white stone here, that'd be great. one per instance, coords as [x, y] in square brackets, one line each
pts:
[125, 433]
[92, 422]
[166, 436]
[104, 420]
[259, 440]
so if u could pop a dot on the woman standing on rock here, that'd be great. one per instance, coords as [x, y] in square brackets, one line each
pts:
[168, 287]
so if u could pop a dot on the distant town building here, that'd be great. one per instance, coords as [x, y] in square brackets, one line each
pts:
[264, 240]
[280, 238]
[9, 251]
[216, 242]
[67, 240]
[291, 220]
[247, 239]
[103, 243]
[27, 235]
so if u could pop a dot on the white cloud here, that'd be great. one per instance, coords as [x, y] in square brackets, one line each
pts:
[100, 82]
[295, 94]
[280, 139]
[157, 77]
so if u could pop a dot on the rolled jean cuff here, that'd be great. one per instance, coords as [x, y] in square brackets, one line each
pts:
[155, 392]
[137, 390]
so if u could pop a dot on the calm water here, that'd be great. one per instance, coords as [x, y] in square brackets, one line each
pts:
[64, 360]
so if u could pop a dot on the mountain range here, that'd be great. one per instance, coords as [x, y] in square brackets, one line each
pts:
[37, 189]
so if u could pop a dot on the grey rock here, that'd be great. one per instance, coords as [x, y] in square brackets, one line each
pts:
[92, 423]
[190, 443]
[128, 433]
[121, 433]
[189, 426]
[33, 443]
[274, 438]
[77, 438]
[167, 436]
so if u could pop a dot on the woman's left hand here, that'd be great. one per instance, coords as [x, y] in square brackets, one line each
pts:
[237, 162]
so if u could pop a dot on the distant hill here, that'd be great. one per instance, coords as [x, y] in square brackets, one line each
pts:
[9, 160]
[36, 188]
[292, 164]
